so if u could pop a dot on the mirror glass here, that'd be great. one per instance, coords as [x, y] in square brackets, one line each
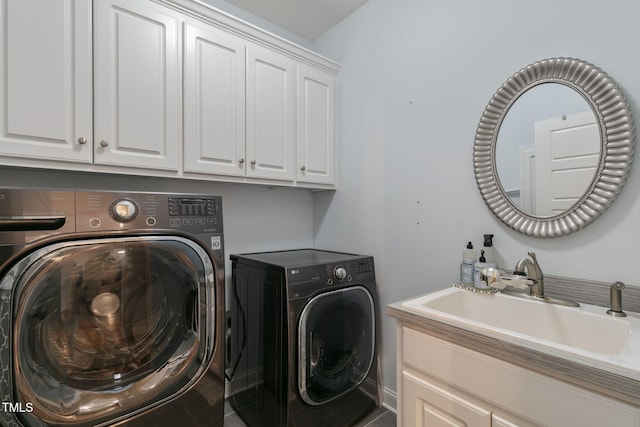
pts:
[547, 149]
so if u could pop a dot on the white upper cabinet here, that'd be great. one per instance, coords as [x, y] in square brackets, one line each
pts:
[137, 84]
[270, 114]
[315, 120]
[214, 101]
[169, 88]
[45, 80]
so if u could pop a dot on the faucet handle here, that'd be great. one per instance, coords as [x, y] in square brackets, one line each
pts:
[536, 264]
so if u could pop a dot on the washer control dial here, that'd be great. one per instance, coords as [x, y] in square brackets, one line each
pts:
[340, 273]
[123, 210]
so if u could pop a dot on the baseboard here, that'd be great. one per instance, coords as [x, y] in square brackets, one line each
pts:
[389, 400]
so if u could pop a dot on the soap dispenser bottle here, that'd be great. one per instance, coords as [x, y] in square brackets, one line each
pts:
[488, 250]
[477, 270]
[466, 268]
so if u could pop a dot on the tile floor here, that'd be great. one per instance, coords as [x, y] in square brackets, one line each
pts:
[379, 417]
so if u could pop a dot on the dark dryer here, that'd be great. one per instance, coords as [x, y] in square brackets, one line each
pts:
[303, 347]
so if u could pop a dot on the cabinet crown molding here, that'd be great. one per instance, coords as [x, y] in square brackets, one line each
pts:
[223, 20]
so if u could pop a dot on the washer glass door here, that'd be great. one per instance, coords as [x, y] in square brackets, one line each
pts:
[105, 328]
[336, 336]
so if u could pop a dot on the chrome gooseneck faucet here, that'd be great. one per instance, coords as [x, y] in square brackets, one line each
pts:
[527, 274]
[533, 272]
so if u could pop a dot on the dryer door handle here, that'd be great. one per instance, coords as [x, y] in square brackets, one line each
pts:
[31, 223]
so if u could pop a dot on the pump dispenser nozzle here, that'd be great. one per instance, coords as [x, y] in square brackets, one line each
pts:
[488, 250]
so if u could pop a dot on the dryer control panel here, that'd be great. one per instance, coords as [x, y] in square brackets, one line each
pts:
[304, 281]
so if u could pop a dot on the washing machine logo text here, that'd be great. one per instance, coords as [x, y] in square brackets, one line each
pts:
[17, 408]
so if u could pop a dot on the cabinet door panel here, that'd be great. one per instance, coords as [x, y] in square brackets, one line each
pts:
[425, 404]
[315, 126]
[214, 101]
[270, 124]
[45, 79]
[137, 100]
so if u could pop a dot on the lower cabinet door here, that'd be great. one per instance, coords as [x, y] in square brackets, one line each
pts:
[426, 404]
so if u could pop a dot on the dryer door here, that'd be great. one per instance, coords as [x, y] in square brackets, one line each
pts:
[336, 335]
[107, 328]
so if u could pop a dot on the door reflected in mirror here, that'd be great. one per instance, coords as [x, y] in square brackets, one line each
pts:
[548, 150]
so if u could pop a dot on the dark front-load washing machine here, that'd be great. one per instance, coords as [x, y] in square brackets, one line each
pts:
[303, 338]
[112, 309]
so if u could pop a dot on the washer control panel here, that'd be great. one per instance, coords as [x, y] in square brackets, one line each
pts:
[106, 211]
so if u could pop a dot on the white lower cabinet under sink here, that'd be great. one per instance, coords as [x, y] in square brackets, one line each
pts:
[428, 402]
[444, 384]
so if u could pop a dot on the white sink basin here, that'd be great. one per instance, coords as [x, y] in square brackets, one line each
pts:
[584, 333]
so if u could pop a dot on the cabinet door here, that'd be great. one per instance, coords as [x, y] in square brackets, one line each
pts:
[45, 79]
[270, 127]
[425, 404]
[214, 101]
[137, 102]
[315, 118]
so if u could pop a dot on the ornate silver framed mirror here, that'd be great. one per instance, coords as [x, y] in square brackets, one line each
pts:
[554, 147]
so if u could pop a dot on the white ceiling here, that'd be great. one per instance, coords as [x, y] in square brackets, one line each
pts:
[307, 18]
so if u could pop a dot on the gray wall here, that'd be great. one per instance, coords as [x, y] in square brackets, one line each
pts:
[416, 76]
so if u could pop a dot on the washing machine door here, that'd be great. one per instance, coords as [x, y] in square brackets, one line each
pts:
[336, 335]
[107, 328]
